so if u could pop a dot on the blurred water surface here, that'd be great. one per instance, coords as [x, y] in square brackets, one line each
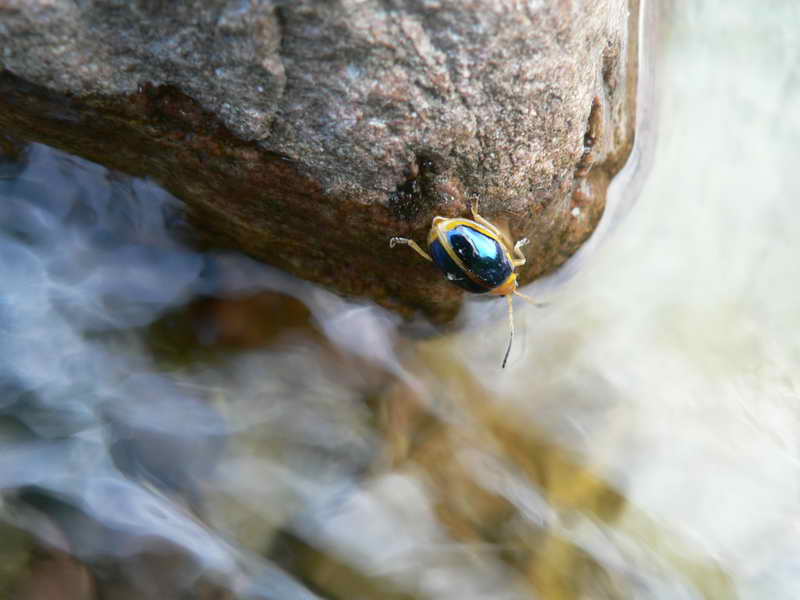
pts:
[180, 423]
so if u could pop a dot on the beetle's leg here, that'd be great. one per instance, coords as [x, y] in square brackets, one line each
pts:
[473, 206]
[529, 299]
[509, 298]
[519, 259]
[399, 240]
[491, 227]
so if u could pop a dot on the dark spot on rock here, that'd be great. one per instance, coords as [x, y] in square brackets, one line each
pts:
[424, 188]
[594, 131]
[430, 163]
[610, 68]
[405, 202]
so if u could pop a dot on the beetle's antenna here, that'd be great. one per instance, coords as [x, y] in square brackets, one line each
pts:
[529, 299]
[510, 328]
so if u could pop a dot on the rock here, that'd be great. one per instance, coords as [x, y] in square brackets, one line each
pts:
[308, 133]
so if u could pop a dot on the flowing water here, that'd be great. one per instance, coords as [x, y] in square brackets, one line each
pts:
[178, 423]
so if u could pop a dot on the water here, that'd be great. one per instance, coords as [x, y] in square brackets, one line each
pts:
[186, 424]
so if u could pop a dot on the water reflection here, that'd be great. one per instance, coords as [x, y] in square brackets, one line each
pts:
[182, 423]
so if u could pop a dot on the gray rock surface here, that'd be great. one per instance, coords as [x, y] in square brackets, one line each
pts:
[307, 133]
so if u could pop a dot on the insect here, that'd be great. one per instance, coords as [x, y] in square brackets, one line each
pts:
[476, 256]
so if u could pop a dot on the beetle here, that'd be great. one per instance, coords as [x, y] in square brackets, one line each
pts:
[476, 256]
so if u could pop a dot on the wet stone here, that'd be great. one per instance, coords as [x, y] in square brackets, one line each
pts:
[276, 121]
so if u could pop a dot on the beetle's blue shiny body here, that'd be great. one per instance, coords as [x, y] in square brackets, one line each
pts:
[485, 264]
